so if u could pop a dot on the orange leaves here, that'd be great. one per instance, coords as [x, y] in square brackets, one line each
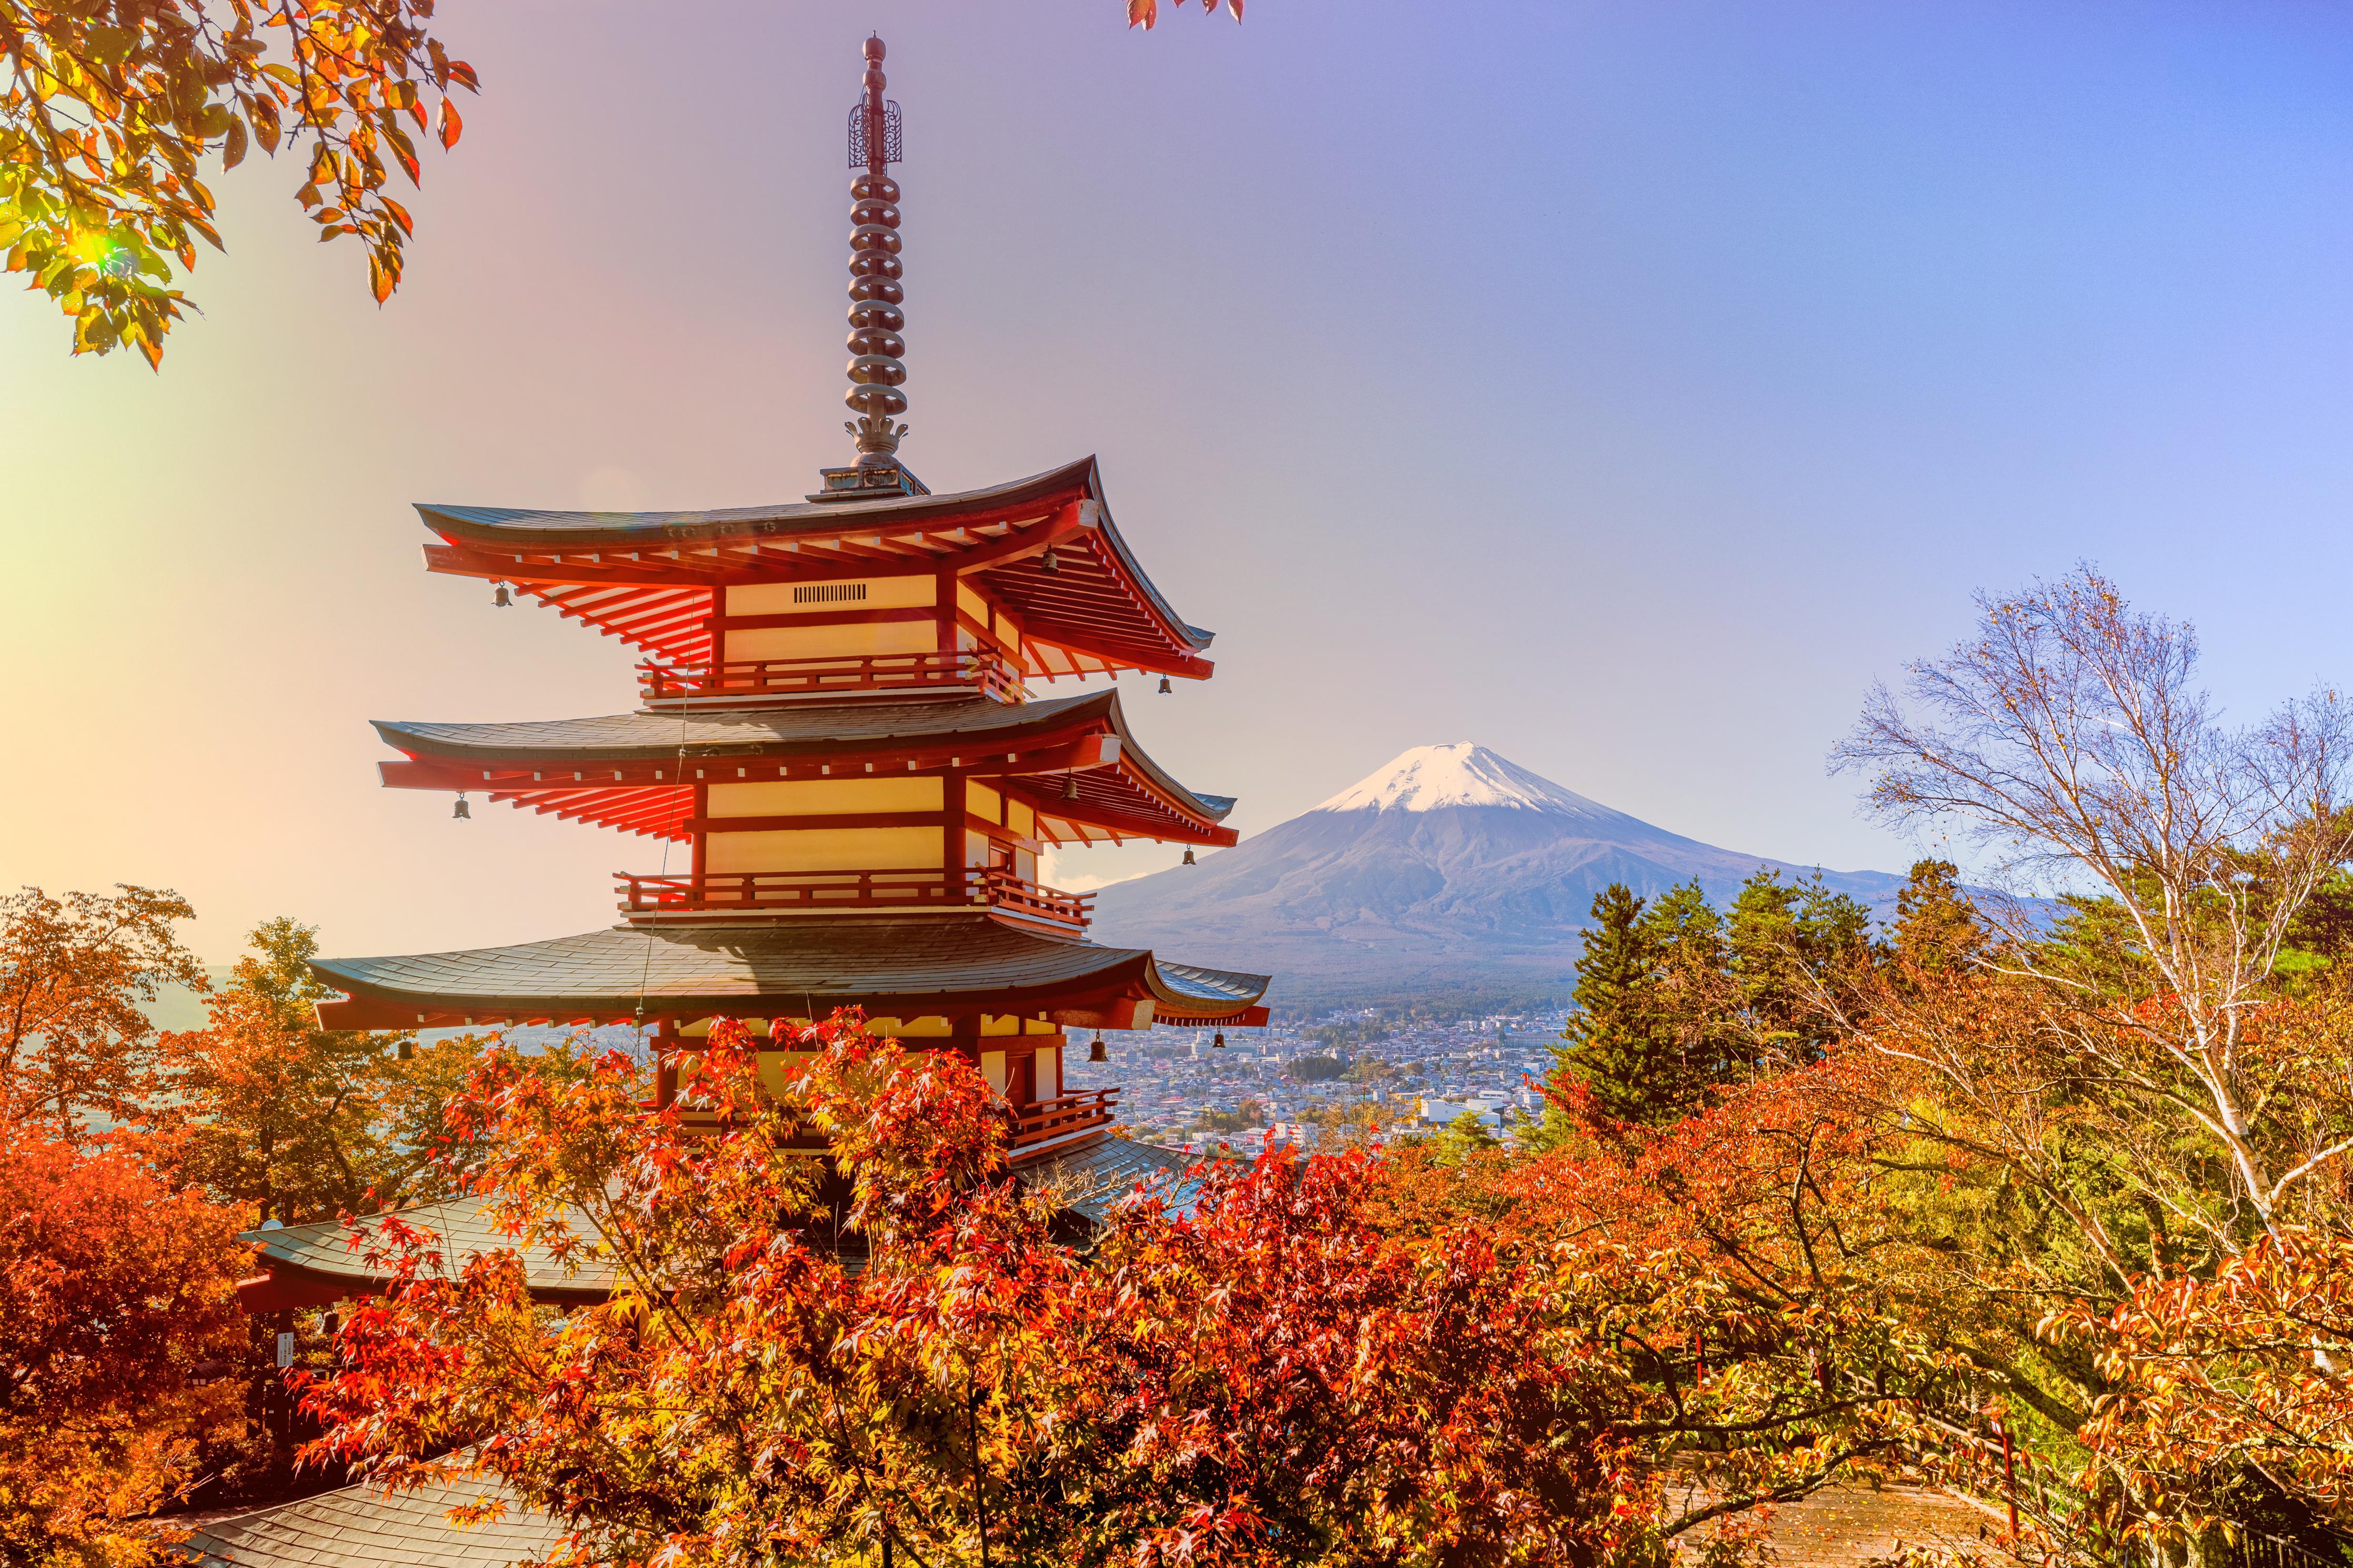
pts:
[452, 127]
[118, 105]
[1146, 13]
[114, 1290]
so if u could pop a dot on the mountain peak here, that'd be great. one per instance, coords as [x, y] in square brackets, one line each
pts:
[1428, 778]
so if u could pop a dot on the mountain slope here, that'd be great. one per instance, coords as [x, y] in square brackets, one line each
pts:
[1452, 869]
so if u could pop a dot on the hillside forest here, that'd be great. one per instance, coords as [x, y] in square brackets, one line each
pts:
[2042, 1197]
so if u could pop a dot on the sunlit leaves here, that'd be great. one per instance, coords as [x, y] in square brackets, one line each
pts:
[111, 107]
[1146, 13]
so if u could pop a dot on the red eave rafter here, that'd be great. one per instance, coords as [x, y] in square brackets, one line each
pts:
[1090, 608]
[1114, 795]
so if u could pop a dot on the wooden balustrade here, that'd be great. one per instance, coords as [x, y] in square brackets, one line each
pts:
[755, 891]
[1047, 1121]
[982, 669]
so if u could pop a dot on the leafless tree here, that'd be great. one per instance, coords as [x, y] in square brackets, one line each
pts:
[2068, 739]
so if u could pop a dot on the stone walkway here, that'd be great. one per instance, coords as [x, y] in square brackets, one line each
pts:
[1845, 1527]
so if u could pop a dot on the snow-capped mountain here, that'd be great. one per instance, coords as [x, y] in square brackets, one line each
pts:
[1450, 870]
[1428, 778]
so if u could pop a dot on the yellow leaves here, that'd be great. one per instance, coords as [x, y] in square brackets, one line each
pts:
[233, 147]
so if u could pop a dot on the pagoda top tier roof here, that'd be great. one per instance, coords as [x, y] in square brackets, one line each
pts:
[626, 769]
[645, 576]
[898, 966]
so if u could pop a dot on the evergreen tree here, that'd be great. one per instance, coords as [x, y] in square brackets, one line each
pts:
[1787, 940]
[1937, 927]
[1619, 1043]
[1464, 1136]
[1692, 992]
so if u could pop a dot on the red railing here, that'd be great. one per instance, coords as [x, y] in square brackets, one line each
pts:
[1008, 893]
[788, 890]
[1040, 1122]
[1047, 1120]
[983, 669]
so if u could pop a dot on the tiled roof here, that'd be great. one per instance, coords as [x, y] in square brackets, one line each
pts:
[518, 527]
[1088, 1182]
[622, 737]
[810, 963]
[1092, 1179]
[812, 730]
[364, 1527]
[325, 1247]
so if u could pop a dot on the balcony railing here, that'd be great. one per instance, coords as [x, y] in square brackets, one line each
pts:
[983, 670]
[1040, 1125]
[1053, 1120]
[799, 890]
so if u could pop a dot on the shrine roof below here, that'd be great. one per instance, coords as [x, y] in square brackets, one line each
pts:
[647, 576]
[642, 758]
[898, 966]
[368, 1527]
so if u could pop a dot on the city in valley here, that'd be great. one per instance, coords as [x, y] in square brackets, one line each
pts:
[1357, 1075]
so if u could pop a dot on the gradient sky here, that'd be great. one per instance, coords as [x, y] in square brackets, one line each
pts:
[1621, 386]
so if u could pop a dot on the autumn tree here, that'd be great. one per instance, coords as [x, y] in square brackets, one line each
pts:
[116, 1317]
[111, 110]
[77, 1049]
[1242, 1367]
[2133, 1095]
[303, 1122]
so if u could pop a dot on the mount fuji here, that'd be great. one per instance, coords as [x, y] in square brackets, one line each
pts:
[1452, 870]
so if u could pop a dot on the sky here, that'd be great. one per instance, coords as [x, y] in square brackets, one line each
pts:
[1622, 387]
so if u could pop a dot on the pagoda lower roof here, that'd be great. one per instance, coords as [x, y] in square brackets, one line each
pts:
[370, 1527]
[322, 1261]
[896, 967]
[647, 577]
[625, 769]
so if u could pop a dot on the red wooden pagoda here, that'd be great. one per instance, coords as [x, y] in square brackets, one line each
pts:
[837, 740]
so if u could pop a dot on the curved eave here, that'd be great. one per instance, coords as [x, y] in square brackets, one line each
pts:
[367, 1527]
[633, 771]
[647, 577]
[324, 1260]
[904, 967]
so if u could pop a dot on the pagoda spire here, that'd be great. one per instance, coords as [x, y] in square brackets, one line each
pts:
[876, 370]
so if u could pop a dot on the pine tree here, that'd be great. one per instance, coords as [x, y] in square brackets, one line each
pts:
[1937, 927]
[1789, 940]
[1692, 992]
[1617, 1040]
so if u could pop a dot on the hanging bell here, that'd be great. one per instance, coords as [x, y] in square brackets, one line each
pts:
[1164, 688]
[464, 813]
[1189, 856]
[1096, 1053]
[1217, 1041]
[1050, 562]
[502, 599]
[1070, 786]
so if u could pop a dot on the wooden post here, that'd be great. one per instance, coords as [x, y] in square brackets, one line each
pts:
[979, 1502]
[2008, 1480]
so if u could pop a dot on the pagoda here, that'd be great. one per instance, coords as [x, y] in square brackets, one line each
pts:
[838, 747]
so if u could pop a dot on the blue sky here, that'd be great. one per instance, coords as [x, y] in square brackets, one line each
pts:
[1623, 387]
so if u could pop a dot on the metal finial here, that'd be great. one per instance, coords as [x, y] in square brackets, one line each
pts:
[876, 370]
[875, 321]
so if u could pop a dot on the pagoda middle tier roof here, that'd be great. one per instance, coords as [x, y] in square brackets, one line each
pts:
[647, 576]
[629, 770]
[898, 967]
